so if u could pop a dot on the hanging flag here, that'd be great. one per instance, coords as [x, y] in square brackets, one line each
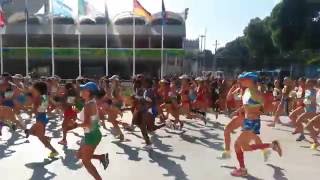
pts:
[86, 9]
[139, 10]
[163, 13]
[2, 18]
[61, 9]
[26, 13]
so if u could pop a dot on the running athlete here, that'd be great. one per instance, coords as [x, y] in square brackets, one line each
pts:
[235, 123]
[39, 94]
[7, 108]
[201, 102]
[276, 95]
[284, 103]
[299, 101]
[184, 93]
[70, 113]
[105, 107]
[310, 108]
[92, 135]
[252, 105]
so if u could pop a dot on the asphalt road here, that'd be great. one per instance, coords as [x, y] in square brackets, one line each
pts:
[190, 154]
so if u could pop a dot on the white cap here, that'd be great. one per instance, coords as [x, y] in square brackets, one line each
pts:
[114, 78]
[184, 77]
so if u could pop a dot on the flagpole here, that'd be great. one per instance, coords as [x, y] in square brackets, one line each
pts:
[106, 29]
[79, 44]
[26, 38]
[134, 46]
[162, 46]
[1, 57]
[79, 54]
[52, 42]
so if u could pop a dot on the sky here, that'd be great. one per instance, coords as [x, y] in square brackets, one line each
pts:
[224, 20]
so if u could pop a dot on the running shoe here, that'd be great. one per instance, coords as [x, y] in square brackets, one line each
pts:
[181, 125]
[63, 142]
[205, 120]
[241, 172]
[271, 125]
[301, 138]
[147, 147]
[266, 154]
[120, 137]
[53, 155]
[105, 161]
[13, 127]
[276, 147]
[27, 132]
[169, 124]
[314, 146]
[226, 155]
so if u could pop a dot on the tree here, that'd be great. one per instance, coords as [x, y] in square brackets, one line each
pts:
[234, 55]
[259, 41]
[287, 23]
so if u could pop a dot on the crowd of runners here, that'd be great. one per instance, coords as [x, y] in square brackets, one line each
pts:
[159, 103]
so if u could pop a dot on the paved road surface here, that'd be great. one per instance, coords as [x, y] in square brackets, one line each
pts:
[192, 154]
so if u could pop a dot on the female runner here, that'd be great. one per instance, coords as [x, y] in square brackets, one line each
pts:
[39, 94]
[284, 103]
[235, 122]
[70, 113]
[7, 108]
[310, 108]
[252, 105]
[92, 135]
[298, 102]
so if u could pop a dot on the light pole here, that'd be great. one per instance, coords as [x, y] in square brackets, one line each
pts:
[214, 64]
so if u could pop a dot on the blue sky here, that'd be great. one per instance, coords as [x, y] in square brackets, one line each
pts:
[223, 19]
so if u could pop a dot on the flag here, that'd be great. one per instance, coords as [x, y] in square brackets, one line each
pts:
[139, 10]
[163, 13]
[61, 9]
[26, 12]
[86, 9]
[2, 18]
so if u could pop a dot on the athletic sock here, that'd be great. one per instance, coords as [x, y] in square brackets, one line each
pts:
[240, 158]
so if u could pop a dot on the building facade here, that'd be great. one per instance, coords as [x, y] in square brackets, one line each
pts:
[93, 42]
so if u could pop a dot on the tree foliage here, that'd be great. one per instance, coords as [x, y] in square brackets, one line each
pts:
[288, 35]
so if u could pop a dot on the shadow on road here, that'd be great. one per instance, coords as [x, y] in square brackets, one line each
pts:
[39, 170]
[53, 127]
[171, 166]
[12, 141]
[278, 172]
[203, 141]
[159, 145]
[70, 160]
[132, 152]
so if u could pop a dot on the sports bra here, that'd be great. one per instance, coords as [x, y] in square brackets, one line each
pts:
[8, 94]
[309, 95]
[299, 94]
[71, 99]
[249, 101]
[94, 119]
[276, 92]
[44, 103]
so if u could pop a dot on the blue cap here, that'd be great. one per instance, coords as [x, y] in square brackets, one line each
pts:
[249, 75]
[91, 86]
